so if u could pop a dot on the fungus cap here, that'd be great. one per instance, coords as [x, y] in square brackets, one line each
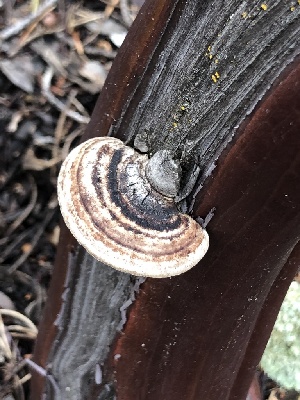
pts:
[112, 210]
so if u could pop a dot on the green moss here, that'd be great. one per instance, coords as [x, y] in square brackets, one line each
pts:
[281, 359]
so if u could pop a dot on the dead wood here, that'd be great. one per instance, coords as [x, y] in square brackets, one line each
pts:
[208, 81]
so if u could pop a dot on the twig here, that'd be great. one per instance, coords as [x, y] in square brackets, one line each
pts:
[34, 242]
[35, 367]
[43, 372]
[95, 51]
[125, 12]
[26, 35]
[21, 332]
[15, 28]
[49, 56]
[110, 6]
[14, 244]
[58, 134]
[25, 379]
[76, 103]
[30, 161]
[18, 388]
[9, 174]
[4, 345]
[46, 80]
[69, 140]
[27, 209]
[20, 317]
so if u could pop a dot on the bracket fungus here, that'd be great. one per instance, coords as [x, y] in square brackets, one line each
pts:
[113, 211]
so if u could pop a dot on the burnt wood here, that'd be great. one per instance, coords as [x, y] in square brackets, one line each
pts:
[207, 81]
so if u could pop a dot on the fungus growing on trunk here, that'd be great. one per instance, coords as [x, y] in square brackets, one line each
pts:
[115, 213]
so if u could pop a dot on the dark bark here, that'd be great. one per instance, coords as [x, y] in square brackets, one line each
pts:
[201, 334]
[144, 93]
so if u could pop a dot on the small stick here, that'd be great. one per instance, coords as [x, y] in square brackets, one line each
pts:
[14, 29]
[46, 79]
[20, 317]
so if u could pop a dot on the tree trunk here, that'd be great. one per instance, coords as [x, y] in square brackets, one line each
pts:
[210, 82]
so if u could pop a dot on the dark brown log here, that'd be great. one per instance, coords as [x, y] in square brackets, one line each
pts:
[266, 320]
[199, 335]
[191, 332]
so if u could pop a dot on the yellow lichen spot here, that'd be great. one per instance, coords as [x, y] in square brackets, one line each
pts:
[214, 78]
[244, 14]
[216, 61]
[175, 124]
[299, 2]
[34, 6]
[217, 75]
[210, 56]
[182, 108]
[292, 8]
[209, 48]
[264, 6]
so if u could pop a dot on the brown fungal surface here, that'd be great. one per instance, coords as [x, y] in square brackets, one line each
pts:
[112, 210]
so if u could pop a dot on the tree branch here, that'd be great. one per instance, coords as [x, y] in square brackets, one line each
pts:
[205, 82]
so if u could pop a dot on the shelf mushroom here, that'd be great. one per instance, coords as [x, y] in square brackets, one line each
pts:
[115, 213]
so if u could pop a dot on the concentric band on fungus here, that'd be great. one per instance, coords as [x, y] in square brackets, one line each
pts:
[111, 209]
